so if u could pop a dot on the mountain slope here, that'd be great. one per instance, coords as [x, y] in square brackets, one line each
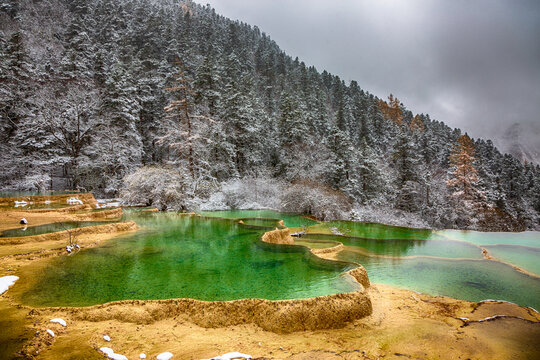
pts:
[93, 90]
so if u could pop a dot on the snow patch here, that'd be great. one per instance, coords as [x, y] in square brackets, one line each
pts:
[111, 354]
[107, 338]
[336, 231]
[111, 204]
[164, 356]
[50, 332]
[59, 321]
[20, 203]
[6, 282]
[74, 201]
[142, 356]
[231, 356]
[47, 202]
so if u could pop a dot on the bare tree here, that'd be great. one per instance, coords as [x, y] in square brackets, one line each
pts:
[71, 119]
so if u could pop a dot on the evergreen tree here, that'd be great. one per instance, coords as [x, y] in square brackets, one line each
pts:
[463, 181]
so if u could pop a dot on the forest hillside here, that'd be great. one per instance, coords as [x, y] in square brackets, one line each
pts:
[168, 103]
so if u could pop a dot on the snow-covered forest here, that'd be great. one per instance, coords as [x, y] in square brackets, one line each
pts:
[168, 103]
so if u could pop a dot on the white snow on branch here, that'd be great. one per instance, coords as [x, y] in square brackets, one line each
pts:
[74, 201]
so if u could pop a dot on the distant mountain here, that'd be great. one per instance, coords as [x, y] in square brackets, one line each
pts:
[523, 144]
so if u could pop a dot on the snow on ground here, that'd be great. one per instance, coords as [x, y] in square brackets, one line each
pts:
[142, 356]
[107, 338]
[231, 356]
[6, 282]
[111, 354]
[20, 203]
[164, 356]
[59, 321]
[105, 203]
[74, 201]
[50, 332]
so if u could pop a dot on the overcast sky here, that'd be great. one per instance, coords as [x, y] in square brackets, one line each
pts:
[474, 64]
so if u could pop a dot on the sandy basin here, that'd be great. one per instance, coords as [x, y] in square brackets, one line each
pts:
[379, 322]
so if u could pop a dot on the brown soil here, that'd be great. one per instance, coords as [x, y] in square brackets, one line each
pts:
[404, 325]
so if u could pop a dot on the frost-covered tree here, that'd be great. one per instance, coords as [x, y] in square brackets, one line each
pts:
[71, 121]
[161, 187]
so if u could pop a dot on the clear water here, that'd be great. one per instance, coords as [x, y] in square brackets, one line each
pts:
[527, 258]
[402, 248]
[177, 256]
[49, 228]
[472, 280]
[381, 231]
[290, 220]
[315, 244]
[270, 223]
[526, 238]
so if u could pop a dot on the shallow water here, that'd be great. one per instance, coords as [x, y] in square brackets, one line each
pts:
[49, 228]
[290, 220]
[527, 258]
[218, 259]
[381, 231]
[270, 223]
[179, 256]
[401, 248]
[526, 238]
[472, 280]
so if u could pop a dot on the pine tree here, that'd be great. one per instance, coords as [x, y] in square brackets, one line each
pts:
[178, 109]
[463, 181]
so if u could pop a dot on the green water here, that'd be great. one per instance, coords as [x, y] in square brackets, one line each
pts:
[49, 228]
[381, 231]
[472, 280]
[178, 256]
[270, 223]
[526, 238]
[401, 248]
[315, 244]
[206, 258]
[527, 258]
[290, 220]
